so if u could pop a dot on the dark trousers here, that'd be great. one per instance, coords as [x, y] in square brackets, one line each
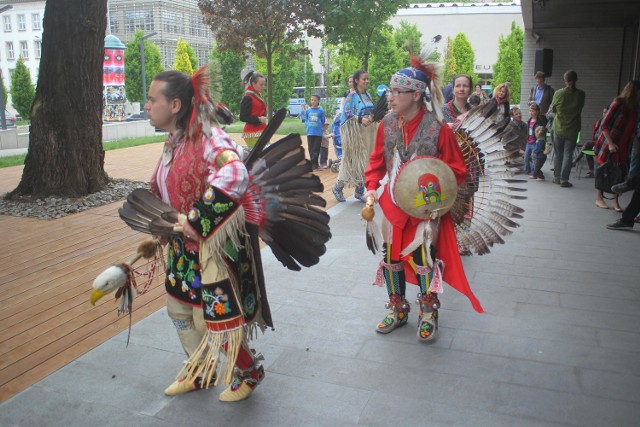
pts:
[633, 208]
[538, 163]
[314, 142]
[324, 155]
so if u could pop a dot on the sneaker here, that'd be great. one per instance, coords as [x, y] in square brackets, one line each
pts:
[337, 193]
[620, 225]
[589, 174]
[566, 184]
[556, 180]
[540, 179]
[323, 166]
[623, 187]
[531, 177]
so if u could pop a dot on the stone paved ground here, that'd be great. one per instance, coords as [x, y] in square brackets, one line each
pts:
[558, 345]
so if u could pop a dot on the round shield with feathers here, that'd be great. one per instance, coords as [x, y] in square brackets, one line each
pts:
[424, 186]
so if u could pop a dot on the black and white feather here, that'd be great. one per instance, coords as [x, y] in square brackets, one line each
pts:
[486, 205]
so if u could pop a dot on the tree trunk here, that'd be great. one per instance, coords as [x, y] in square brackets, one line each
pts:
[65, 155]
[270, 82]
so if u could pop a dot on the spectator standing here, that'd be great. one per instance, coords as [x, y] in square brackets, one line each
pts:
[253, 109]
[314, 122]
[539, 155]
[535, 120]
[541, 94]
[616, 134]
[457, 106]
[519, 128]
[484, 98]
[567, 106]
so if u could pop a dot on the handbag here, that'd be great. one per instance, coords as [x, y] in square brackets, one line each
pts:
[609, 174]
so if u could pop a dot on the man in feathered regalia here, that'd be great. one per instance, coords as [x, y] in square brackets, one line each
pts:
[416, 249]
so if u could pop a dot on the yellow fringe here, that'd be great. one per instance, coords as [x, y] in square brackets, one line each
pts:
[212, 250]
[204, 361]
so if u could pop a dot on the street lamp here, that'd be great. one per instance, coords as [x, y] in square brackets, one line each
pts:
[144, 78]
[3, 119]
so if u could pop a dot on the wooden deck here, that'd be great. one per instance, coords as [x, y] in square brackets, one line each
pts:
[48, 267]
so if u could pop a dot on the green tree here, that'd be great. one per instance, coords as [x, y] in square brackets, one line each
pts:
[386, 60]
[407, 37]
[133, 70]
[342, 64]
[193, 58]
[464, 56]
[283, 66]
[22, 90]
[182, 62]
[508, 67]
[357, 25]
[229, 86]
[264, 28]
[450, 64]
[5, 92]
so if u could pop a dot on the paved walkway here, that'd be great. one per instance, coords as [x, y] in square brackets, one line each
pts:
[559, 343]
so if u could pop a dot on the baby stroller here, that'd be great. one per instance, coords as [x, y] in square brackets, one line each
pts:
[334, 165]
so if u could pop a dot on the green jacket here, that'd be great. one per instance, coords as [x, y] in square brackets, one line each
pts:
[567, 106]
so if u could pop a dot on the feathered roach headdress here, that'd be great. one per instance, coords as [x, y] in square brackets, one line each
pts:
[204, 108]
[422, 76]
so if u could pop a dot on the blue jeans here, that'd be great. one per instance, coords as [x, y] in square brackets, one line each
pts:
[529, 158]
[564, 145]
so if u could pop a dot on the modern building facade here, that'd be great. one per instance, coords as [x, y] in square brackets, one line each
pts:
[170, 20]
[482, 23]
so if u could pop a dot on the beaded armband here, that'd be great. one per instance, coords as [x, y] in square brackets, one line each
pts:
[225, 157]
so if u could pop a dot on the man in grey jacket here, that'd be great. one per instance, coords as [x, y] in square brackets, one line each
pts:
[541, 93]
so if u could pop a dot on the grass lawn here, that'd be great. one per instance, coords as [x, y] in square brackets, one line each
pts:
[290, 125]
[16, 160]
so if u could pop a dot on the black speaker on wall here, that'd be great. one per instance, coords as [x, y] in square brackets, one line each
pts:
[544, 61]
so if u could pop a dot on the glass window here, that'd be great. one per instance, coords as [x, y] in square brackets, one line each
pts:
[7, 22]
[22, 23]
[172, 22]
[10, 53]
[114, 25]
[138, 19]
[37, 49]
[35, 20]
[24, 50]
